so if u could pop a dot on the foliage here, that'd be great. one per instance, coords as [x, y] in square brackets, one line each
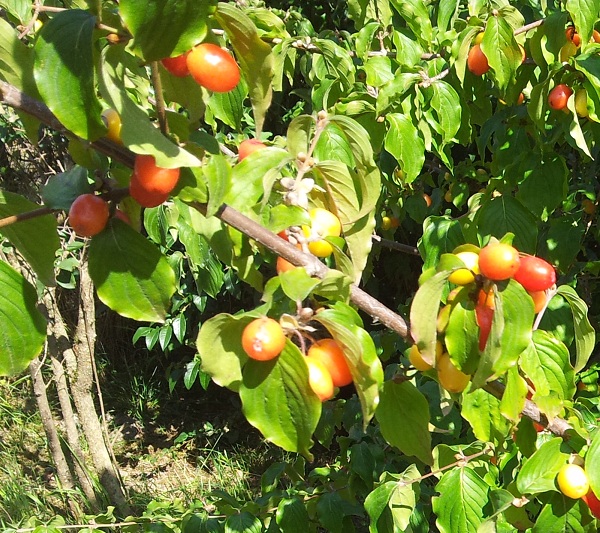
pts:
[375, 114]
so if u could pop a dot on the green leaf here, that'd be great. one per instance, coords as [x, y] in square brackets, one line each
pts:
[255, 57]
[360, 353]
[446, 104]
[510, 335]
[447, 11]
[243, 522]
[461, 336]
[460, 505]
[391, 504]
[254, 177]
[64, 47]
[220, 348]
[482, 411]
[545, 185]
[585, 336]
[291, 515]
[504, 214]
[405, 144]
[538, 474]
[502, 51]
[423, 314]
[20, 9]
[592, 463]
[36, 238]
[165, 28]
[440, 235]
[23, 326]
[138, 133]
[560, 514]
[278, 401]
[228, 106]
[61, 189]
[513, 399]
[332, 509]
[218, 176]
[131, 276]
[584, 14]
[297, 284]
[390, 94]
[546, 364]
[415, 13]
[16, 66]
[403, 416]
[569, 230]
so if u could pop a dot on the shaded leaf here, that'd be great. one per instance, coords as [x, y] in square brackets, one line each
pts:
[131, 276]
[403, 416]
[36, 239]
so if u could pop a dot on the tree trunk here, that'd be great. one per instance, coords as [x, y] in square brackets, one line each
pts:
[80, 367]
[60, 462]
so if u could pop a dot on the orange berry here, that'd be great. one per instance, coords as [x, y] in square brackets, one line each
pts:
[88, 215]
[263, 339]
[329, 352]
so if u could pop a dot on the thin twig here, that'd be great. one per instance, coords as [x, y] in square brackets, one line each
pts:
[406, 248]
[27, 215]
[160, 99]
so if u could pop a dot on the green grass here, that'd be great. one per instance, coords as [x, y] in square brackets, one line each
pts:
[27, 484]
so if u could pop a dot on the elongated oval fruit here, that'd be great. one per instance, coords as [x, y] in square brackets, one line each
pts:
[498, 261]
[535, 274]
[477, 62]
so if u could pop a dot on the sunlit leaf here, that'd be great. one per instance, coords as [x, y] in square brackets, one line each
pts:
[23, 326]
[64, 47]
[462, 498]
[538, 474]
[278, 401]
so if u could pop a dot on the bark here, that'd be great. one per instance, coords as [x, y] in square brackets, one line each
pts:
[58, 334]
[80, 367]
[60, 461]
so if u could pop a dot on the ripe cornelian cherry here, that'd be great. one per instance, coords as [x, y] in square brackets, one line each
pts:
[319, 379]
[177, 65]
[596, 36]
[150, 185]
[121, 215]
[558, 97]
[213, 68]
[539, 300]
[329, 352]
[263, 339]
[248, 146]
[484, 316]
[88, 215]
[477, 62]
[573, 36]
[535, 274]
[592, 502]
[498, 261]
[143, 196]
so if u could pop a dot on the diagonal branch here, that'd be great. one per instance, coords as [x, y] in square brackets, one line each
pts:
[373, 307]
